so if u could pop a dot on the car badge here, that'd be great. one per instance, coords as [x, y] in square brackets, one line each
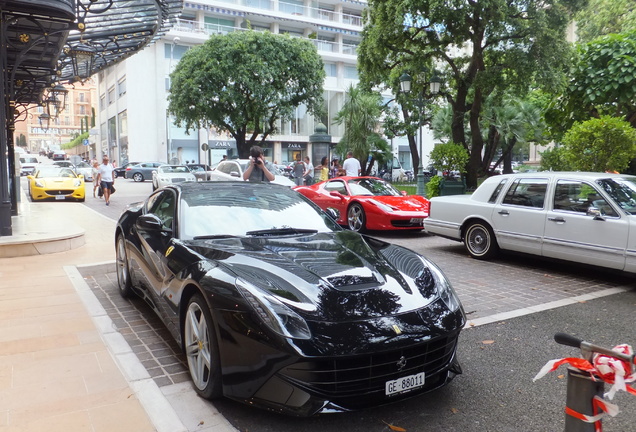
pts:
[397, 330]
[401, 364]
[170, 249]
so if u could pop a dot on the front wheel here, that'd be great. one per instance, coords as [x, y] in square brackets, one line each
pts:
[480, 241]
[123, 273]
[138, 177]
[201, 349]
[356, 218]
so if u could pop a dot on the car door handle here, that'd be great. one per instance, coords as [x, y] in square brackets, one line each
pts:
[556, 219]
[503, 212]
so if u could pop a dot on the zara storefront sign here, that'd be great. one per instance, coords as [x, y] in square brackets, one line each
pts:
[295, 146]
[222, 144]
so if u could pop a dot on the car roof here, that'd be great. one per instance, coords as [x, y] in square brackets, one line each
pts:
[562, 174]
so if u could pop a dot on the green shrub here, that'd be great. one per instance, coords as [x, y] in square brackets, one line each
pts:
[449, 157]
[433, 186]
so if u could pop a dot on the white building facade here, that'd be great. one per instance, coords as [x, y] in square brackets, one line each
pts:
[132, 112]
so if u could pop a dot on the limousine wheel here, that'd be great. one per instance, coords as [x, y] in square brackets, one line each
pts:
[480, 241]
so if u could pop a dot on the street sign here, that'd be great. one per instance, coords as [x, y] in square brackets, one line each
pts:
[85, 142]
[204, 147]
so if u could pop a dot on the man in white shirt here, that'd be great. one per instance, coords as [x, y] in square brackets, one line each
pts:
[351, 166]
[309, 172]
[105, 178]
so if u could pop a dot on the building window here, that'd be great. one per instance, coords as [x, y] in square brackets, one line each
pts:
[331, 70]
[81, 97]
[351, 72]
[82, 110]
[121, 87]
[102, 102]
[111, 95]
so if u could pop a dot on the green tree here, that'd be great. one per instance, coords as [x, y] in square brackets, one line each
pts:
[360, 116]
[554, 159]
[449, 157]
[600, 144]
[476, 46]
[602, 82]
[244, 82]
[603, 17]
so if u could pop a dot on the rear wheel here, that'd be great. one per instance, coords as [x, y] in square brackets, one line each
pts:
[138, 177]
[480, 241]
[123, 273]
[201, 349]
[356, 218]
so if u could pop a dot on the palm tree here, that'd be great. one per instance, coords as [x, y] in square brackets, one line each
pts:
[360, 116]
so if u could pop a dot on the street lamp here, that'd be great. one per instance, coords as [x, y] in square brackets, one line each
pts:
[434, 86]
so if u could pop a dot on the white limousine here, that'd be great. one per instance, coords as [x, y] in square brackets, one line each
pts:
[584, 217]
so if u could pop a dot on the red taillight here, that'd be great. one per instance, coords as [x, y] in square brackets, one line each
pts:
[128, 169]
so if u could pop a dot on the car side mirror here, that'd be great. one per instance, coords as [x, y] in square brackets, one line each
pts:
[333, 213]
[234, 174]
[595, 212]
[149, 222]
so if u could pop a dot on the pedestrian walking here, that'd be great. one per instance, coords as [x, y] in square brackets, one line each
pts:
[308, 175]
[324, 169]
[299, 170]
[106, 178]
[95, 174]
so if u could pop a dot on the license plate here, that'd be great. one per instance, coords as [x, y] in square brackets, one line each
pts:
[417, 220]
[404, 384]
[60, 197]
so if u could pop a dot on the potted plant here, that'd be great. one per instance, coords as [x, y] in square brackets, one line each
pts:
[450, 159]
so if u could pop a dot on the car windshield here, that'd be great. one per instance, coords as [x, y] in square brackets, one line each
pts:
[622, 191]
[372, 187]
[227, 210]
[29, 160]
[55, 172]
[170, 169]
[196, 168]
[82, 165]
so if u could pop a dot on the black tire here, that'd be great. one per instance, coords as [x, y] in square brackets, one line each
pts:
[480, 241]
[356, 218]
[123, 271]
[202, 349]
[138, 177]
[114, 174]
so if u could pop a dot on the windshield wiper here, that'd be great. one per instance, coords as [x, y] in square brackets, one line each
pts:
[281, 231]
[213, 236]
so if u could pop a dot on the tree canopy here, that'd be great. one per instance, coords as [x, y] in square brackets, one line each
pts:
[244, 82]
[602, 82]
[603, 17]
[476, 47]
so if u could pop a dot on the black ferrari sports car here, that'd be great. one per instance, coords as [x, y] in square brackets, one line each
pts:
[277, 306]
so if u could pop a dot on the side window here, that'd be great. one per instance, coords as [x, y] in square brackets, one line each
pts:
[497, 191]
[336, 186]
[164, 207]
[527, 193]
[225, 167]
[579, 197]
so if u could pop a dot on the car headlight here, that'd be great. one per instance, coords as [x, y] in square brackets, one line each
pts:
[39, 183]
[444, 288]
[383, 206]
[276, 315]
[77, 182]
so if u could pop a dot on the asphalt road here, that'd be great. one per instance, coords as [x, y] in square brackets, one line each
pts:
[496, 391]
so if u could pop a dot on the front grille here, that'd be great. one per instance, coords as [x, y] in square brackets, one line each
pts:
[344, 377]
[60, 192]
[404, 223]
[178, 180]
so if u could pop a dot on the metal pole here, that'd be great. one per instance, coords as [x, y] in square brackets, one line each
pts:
[581, 389]
[420, 169]
[5, 198]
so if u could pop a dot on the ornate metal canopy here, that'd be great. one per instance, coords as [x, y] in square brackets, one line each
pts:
[42, 38]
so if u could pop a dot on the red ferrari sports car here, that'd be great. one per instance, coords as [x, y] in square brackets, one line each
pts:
[368, 203]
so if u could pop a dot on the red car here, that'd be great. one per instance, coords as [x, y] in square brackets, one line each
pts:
[368, 203]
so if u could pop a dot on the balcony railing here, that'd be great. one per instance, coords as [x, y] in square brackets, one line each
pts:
[296, 9]
[190, 26]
